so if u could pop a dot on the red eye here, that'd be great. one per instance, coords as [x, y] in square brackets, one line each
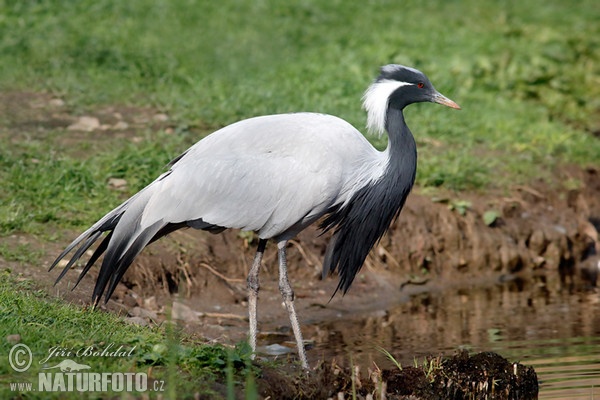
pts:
[420, 85]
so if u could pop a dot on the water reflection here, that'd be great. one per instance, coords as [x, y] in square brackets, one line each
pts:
[523, 320]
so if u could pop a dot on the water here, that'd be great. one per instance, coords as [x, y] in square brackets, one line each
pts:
[533, 322]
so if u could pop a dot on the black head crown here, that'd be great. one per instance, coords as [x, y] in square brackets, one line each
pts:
[413, 87]
[401, 73]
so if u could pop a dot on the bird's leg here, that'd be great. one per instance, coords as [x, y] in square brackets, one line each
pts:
[253, 287]
[288, 298]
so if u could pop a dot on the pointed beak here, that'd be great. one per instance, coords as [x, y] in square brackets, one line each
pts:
[443, 100]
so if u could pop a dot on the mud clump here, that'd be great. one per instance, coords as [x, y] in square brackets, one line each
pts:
[484, 375]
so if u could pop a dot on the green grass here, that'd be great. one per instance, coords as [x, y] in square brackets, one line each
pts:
[42, 185]
[44, 323]
[526, 74]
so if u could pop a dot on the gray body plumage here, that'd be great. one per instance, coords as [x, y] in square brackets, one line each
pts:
[273, 175]
[276, 175]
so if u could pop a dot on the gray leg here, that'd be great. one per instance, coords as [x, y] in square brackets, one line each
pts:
[288, 298]
[253, 287]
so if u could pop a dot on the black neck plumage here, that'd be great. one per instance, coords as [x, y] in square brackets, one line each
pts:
[360, 224]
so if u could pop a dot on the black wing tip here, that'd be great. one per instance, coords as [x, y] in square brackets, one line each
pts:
[88, 242]
[334, 293]
[61, 256]
[117, 260]
[54, 264]
[65, 269]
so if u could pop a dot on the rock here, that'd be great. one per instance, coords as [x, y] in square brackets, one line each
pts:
[510, 258]
[538, 242]
[160, 117]
[56, 103]
[137, 321]
[13, 339]
[589, 270]
[120, 126]
[275, 349]
[151, 304]
[590, 230]
[142, 313]
[130, 301]
[184, 313]
[117, 183]
[560, 229]
[538, 262]
[85, 124]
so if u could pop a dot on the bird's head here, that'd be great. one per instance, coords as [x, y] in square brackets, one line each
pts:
[396, 87]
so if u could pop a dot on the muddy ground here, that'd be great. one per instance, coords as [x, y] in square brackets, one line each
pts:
[540, 231]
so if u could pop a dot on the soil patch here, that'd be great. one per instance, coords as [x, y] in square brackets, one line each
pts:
[480, 376]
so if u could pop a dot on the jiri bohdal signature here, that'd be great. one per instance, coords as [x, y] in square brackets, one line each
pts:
[109, 350]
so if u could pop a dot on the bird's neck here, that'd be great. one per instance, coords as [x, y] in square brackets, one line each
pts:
[401, 150]
[368, 214]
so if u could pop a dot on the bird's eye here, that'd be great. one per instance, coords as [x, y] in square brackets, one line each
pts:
[420, 85]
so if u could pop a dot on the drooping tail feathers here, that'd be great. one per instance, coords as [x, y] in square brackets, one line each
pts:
[119, 252]
[124, 240]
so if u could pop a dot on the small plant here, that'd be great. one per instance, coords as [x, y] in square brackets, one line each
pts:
[460, 206]
[490, 217]
[390, 357]
[431, 366]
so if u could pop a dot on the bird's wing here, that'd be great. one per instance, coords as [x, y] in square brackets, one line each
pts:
[264, 174]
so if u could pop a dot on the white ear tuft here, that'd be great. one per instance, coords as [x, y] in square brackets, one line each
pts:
[375, 102]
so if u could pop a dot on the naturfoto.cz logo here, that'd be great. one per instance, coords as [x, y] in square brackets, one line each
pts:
[68, 375]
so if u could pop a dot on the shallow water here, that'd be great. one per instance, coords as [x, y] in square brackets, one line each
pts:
[556, 332]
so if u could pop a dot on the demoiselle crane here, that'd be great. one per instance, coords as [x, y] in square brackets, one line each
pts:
[276, 175]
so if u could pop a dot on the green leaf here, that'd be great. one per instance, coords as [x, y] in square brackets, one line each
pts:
[490, 216]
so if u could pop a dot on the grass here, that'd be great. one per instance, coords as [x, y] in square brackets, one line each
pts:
[37, 169]
[526, 76]
[45, 323]
[390, 357]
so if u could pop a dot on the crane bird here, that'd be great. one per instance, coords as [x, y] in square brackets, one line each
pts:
[276, 175]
